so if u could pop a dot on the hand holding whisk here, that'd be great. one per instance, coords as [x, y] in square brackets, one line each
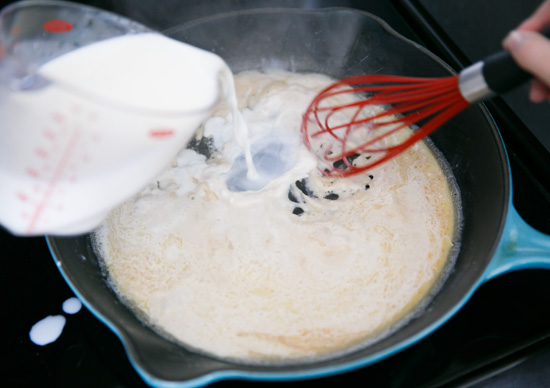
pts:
[362, 121]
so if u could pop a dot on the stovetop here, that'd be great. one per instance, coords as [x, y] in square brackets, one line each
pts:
[501, 338]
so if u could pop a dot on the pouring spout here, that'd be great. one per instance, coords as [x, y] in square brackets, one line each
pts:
[18, 76]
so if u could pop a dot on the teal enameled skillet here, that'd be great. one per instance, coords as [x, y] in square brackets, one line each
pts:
[340, 43]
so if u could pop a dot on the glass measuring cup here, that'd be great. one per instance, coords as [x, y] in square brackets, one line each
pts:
[72, 146]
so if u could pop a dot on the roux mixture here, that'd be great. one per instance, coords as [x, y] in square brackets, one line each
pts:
[289, 265]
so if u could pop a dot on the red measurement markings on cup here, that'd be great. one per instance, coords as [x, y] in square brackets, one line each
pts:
[64, 149]
[16, 31]
[161, 133]
[57, 26]
[60, 167]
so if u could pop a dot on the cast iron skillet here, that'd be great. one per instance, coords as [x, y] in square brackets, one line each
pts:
[340, 43]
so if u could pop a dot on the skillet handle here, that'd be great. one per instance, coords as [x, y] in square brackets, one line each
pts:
[522, 247]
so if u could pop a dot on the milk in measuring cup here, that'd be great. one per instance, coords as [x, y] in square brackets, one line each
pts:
[112, 116]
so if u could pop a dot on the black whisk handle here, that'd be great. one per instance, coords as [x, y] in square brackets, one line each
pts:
[502, 73]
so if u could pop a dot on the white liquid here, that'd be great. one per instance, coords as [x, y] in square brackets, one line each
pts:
[72, 306]
[239, 274]
[47, 330]
[114, 115]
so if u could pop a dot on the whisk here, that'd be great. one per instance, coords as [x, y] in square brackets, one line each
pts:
[362, 121]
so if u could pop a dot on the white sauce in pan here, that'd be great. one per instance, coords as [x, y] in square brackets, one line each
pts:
[288, 266]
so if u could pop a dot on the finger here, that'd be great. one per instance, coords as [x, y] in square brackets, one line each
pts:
[531, 51]
[538, 92]
[538, 20]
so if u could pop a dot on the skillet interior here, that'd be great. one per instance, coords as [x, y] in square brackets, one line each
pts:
[339, 43]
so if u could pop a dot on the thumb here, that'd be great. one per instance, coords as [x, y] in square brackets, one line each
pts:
[531, 51]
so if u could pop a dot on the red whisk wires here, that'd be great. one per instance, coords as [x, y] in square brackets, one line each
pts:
[362, 121]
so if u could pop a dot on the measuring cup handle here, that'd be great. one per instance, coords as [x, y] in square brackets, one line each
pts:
[521, 247]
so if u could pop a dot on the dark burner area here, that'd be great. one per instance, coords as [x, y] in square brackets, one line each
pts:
[341, 165]
[203, 146]
[301, 192]
[304, 188]
[501, 338]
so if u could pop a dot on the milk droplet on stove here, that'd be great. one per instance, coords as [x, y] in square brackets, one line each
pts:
[72, 306]
[50, 328]
[47, 330]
